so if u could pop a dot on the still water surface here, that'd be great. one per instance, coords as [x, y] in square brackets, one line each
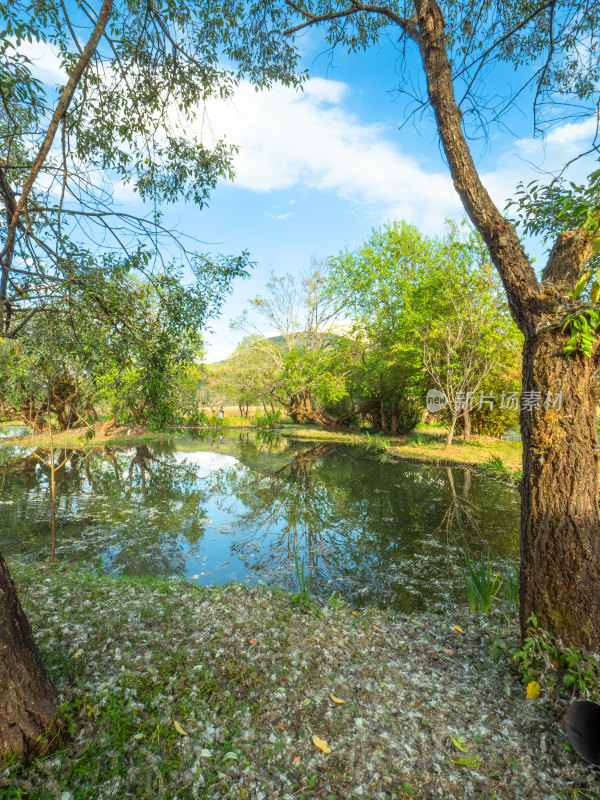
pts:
[237, 507]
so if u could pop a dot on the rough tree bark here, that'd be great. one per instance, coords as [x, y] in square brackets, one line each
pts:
[560, 521]
[110, 423]
[29, 702]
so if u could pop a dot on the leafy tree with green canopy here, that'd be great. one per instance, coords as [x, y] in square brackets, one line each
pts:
[428, 312]
[306, 365]
[74, 357]
[244, 379]
[136, 76]
[554, 47]
[471, 338]
[385, 286]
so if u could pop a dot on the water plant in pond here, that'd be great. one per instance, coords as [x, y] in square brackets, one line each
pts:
[481, 585]
[376, 442]
[304, 583]
[495, 468]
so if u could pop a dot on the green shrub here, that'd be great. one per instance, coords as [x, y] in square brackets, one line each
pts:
[271, 419]
[408, 411]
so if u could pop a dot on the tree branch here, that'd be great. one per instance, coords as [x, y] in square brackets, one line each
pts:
[570, 254]
[59, 112]
[499, 235]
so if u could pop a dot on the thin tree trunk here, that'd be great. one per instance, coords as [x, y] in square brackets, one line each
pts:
[6, 255]
[466, 424]
[382, 406]
[52, 499]
[560, 518]
[28, 699]
[451, 431]
[394, 429]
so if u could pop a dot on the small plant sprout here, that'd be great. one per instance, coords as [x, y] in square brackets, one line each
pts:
[481, 585]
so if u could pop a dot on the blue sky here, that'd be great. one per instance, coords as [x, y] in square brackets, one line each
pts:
[319, 169]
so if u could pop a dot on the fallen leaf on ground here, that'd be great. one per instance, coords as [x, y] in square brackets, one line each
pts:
[356, 614]
[296, 760]
[179, 729]
[321, 744]
[458, 628]
[472, 762]
[447, 651]
[459, 743]
[252, 641]
[336, 699]
[375, 628]
[533, 690]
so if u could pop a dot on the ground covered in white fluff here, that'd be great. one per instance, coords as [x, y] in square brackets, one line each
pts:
[172, 691]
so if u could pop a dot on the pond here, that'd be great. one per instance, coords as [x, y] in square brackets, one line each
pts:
[240, 507]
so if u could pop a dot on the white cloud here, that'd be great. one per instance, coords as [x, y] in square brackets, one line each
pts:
[529, 159]
[45, 62]
[308, 140]
[279, 216]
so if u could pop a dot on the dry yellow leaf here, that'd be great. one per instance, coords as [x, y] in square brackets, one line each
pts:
[533, 690]
[322, 745]
[458, 628]
[336, 699]
[179, 729]
[356, 614]
[375, 628]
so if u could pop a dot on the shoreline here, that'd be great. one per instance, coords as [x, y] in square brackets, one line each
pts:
[420, 447]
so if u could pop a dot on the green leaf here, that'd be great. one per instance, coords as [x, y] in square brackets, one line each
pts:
[459, 743]
[472, 762]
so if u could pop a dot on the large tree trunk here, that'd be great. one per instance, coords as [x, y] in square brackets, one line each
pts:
[560, 519]
[28, 699]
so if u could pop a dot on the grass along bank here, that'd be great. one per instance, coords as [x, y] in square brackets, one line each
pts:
[175, 691]
[428, 446]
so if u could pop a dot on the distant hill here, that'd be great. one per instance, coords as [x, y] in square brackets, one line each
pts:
[279, 341]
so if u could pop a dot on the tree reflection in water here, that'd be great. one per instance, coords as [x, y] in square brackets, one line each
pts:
[137, 512]
[391, 534]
